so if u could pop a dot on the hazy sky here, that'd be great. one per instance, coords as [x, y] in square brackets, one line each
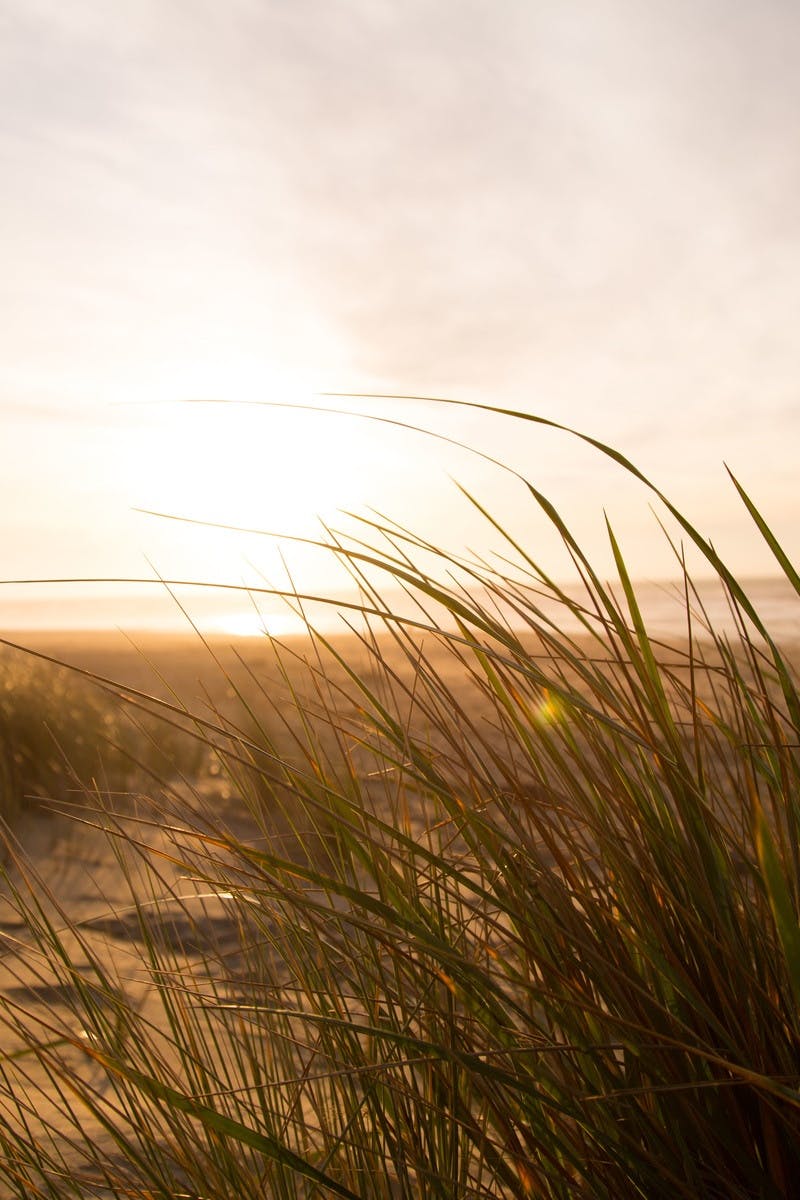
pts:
[589, 210]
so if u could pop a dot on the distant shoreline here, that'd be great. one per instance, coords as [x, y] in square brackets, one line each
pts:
[157, 616]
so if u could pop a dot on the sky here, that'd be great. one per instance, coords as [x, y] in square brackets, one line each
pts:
[585, 211]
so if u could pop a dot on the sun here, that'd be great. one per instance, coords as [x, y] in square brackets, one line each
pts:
[243, 442]
[257, 468]
[253, 624]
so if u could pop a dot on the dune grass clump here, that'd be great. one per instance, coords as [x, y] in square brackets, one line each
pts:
[545, 943]
[59, 733]
[55, 733]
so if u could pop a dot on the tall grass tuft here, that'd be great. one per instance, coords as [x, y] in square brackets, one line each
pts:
[516, 916]
[59, 733]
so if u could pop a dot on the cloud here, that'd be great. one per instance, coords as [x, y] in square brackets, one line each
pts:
[587, 207]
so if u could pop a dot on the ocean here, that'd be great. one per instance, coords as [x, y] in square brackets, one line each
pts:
[231, 613]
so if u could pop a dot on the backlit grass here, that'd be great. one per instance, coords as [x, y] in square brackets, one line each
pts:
[518, 917]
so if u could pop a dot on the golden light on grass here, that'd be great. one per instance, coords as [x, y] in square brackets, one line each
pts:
[549, 710]
[450, 909]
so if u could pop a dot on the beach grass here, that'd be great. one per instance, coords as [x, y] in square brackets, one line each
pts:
[60, 732]
[516, 913]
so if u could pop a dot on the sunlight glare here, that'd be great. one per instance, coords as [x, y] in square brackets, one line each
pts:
[229, 457]
[255, 624]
